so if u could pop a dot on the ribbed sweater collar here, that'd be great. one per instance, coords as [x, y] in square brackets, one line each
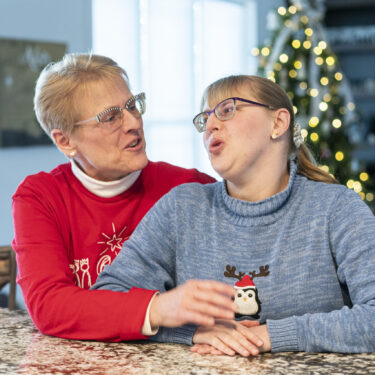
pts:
[266, 211]
[104, 189]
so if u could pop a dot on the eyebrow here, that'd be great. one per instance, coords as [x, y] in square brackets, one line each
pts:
[118, 106]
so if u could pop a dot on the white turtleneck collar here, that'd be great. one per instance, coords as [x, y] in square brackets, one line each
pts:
[104, 189]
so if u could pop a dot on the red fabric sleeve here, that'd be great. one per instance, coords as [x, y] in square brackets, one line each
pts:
[56, 222]
[204, 178]
[56, 305]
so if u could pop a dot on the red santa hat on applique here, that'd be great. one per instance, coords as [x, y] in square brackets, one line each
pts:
[244, 283]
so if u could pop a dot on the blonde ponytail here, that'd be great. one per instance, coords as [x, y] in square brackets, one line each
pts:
[307, 166]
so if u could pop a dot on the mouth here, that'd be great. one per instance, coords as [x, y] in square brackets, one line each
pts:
[215, 146]
[135, 144]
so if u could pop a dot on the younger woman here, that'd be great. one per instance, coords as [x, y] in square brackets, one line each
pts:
[298, 248]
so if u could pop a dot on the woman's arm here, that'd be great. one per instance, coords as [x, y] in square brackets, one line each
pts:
[148, 260]
[230, 337]
[350, 329]
[57, 306]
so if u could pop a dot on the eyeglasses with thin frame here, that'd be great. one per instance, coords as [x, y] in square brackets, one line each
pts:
[111, 117]
[225, 110]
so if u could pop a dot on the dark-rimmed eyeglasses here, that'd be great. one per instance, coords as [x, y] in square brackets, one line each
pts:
[111, 117]
[225, 110]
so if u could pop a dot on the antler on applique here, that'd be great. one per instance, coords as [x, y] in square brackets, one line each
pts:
[230, 272]
[263, 271]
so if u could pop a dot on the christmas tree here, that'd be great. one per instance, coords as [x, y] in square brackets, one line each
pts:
[299, 59]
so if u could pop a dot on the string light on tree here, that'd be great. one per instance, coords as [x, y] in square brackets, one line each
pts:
[302, 62]
[339, 156]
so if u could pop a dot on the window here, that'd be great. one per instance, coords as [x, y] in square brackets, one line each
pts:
[172, 50]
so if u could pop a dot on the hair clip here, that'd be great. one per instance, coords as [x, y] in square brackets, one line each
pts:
[297, 135]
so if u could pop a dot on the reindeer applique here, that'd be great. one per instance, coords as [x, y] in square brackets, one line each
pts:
[247, 300]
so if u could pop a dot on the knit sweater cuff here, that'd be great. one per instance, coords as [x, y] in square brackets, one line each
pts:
[180, 335]
[283, 335]
[185, 334]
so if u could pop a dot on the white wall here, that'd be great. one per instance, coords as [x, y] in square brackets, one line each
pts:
[67, 21]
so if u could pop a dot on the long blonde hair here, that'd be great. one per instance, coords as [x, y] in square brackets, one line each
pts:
[268, 92]
[60, 85]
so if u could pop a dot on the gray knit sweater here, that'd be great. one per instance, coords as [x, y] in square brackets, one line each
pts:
[306, 258]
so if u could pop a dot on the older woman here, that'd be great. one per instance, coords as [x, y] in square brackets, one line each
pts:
[71, 222]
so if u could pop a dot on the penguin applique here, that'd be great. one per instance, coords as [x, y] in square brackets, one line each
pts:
[247, 298]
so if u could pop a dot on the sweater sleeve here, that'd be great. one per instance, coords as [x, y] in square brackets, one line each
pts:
[350, 329]
[56, 305]
[148, 260]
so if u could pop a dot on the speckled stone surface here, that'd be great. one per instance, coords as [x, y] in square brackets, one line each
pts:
[23, 350]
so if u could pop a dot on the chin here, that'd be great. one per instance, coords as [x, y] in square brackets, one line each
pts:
[220, 169]
[138, 164]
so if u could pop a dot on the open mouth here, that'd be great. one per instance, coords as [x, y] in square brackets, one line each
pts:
[215, 146]
[134, 144]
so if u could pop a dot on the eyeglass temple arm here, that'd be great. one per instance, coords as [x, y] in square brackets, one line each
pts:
[88, 120]
[252, 102]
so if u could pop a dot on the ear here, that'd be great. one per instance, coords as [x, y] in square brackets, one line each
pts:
[281, 121]
[64, 143]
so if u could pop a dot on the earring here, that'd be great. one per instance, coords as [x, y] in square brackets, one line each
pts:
[72, 153]
[274, 135]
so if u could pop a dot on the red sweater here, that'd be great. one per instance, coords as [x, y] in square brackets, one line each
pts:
[65, 235]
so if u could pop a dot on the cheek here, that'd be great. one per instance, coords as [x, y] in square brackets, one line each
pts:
[205, 141]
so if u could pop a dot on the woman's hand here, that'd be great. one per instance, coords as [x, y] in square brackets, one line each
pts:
[196, 301]
[245, 337]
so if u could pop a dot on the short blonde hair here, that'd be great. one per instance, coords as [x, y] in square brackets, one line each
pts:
[267, 92]
[58, 86]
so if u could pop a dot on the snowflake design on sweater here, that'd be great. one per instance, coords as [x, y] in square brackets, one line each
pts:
[113, 241]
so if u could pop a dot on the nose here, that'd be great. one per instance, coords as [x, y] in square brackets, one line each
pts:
[244, 299]
[130, 122]
[213, 123]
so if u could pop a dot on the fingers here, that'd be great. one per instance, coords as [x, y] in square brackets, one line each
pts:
[211, 285]
[228, 338]
[251, 336]
[197, 318]
[204, 301]
[238, 343]
[229, 344]
[249, 323]
[198, 302]
[212, 298]
[209, 309]
[205, 349]
[222, 345]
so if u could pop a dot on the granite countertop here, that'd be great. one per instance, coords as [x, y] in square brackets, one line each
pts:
[24, 350]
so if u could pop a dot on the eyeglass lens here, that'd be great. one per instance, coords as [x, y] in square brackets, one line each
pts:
[136, 106]
[226, 109]
[223, 111]
[111, 115]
